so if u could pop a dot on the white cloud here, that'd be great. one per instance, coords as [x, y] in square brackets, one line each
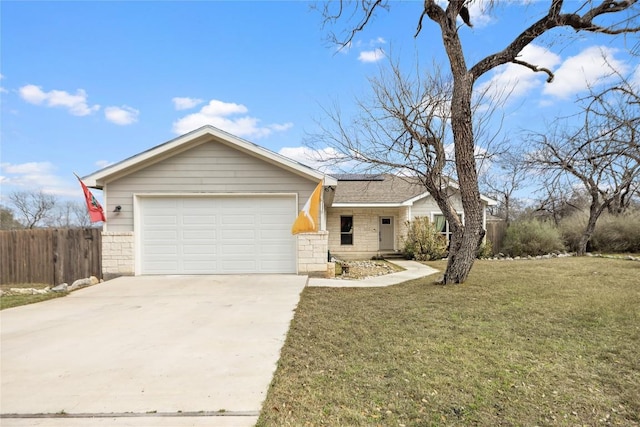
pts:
[121, 115]
[371, 55]
[75, 104]
[515, 80]
[219, 114]
[38, 176]
[183, 103]
[103, 163]
[324, 159]
[2, 89]
[592, 66]
[30, 175]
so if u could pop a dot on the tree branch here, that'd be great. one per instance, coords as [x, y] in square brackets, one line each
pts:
[552, 20]
[535, 68]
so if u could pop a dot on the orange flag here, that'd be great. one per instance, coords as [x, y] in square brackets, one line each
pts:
[96, 214]
[308, 219]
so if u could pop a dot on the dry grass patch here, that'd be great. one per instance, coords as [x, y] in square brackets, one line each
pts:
[8, 301]
[550, 342]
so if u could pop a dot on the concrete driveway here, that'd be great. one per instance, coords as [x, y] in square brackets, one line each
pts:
[150, 350]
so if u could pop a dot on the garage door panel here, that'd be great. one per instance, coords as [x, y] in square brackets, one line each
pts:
[163, 250]
[238, 220]
[206, 220]
[238, 267]
[164, 220]
[163, 267]
[240, 234]
[272, 233]
[199, 250]
[238, 249]
[199, 234]
[162, 234]
[217, 235]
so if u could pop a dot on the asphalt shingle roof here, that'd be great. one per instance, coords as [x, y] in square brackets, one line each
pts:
[384, 188]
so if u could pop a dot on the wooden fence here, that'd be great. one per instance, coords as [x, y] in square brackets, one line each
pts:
[495, 234]
[50, 256]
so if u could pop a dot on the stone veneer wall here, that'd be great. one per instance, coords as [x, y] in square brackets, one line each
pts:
[117, 254]
[366, 223]
[312, 252]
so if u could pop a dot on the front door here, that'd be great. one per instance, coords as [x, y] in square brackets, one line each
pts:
[386, 233]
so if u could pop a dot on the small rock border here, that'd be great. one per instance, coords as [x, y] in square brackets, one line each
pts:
[63, 287]
[503, 257]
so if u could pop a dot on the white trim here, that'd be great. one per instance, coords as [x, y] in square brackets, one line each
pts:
[367, 205]
[137, 216]
[411, 201]
[105, 225]
[215, 195]
[99, 179]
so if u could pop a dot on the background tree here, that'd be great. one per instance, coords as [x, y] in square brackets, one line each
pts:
[70, 214]
[33, 208]
[582, 18]
[557, 201]
[507, 176]
[7, 221]
[601, 156]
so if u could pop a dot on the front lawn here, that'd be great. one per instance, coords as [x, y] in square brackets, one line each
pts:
[549, 342]
[8, 301]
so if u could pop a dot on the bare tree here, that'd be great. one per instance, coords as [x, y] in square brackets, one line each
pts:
[557, 201]
[467, 238]
[508, 175]
[70, 214]
[33, 208]
[601, 156]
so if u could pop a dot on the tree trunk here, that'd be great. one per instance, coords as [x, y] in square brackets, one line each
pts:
[586, 236]
[462, 254]
[594, 213]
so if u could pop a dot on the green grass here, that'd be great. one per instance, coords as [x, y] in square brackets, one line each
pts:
[523, 343]
[8, 301]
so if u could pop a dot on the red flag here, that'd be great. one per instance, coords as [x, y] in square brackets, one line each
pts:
[96, 214]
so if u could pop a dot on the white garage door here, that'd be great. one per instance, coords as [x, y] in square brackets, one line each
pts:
[217, 235]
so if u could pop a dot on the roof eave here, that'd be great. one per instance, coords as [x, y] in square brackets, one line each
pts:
[368, 205]
[100, 177]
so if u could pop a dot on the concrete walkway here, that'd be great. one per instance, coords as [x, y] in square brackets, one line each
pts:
[412, 270]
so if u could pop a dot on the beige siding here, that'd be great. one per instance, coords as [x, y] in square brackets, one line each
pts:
[427, 206]
[210, 167]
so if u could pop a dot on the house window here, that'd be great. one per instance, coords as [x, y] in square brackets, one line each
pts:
[442, 225]
[346, 230]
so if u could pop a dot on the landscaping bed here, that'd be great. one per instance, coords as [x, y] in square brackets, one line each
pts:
[357, 270]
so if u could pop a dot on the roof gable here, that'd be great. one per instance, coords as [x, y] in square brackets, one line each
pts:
[190, 140]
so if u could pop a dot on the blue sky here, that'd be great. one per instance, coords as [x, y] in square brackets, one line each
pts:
[86, 84]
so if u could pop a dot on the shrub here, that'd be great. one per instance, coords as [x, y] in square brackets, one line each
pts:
[423, 242]
[533, 238]
[485, 250]
[572, 228]
[613, 233]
